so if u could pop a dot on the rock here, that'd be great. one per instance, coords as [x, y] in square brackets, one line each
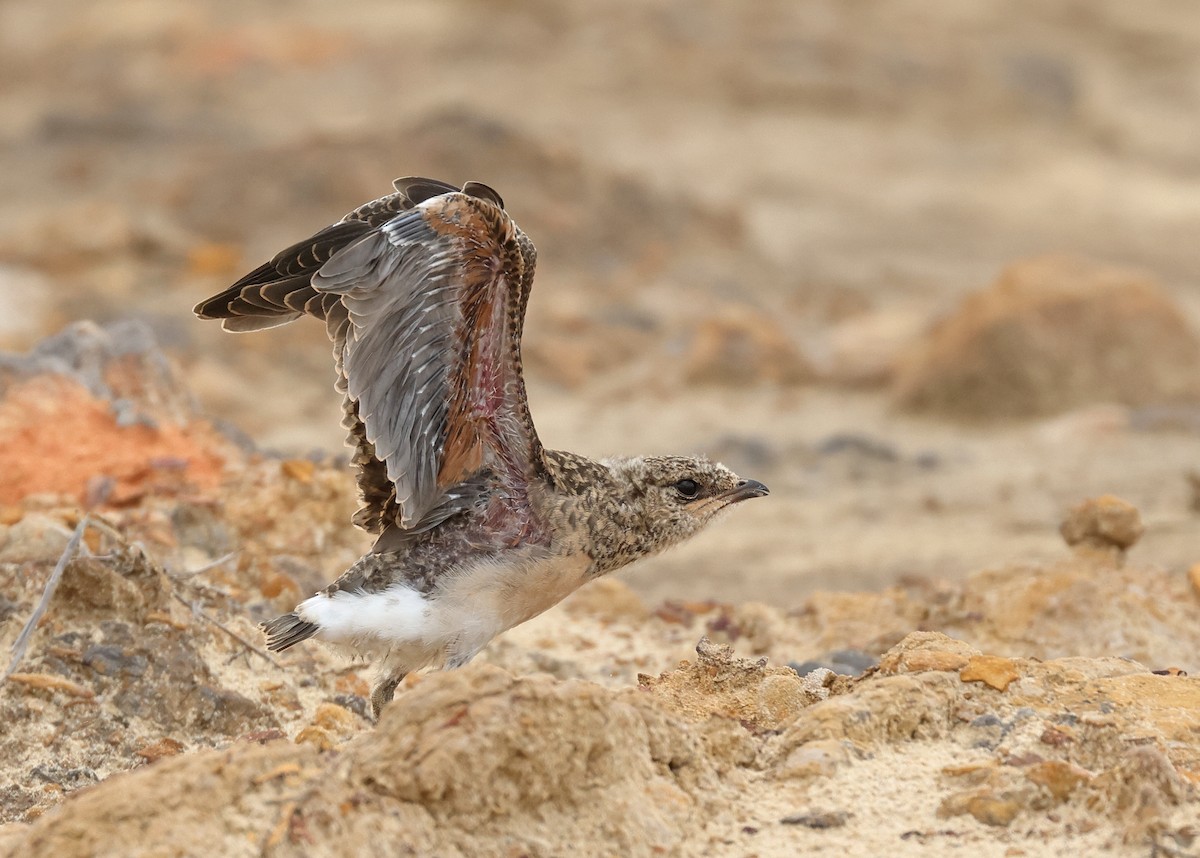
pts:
[90, 583]
[164, 747]
[921, 651]
[34, 537]
[189, 790]
[111, 671]
[114, 661]
[1106, 524]
[1054, 333]
[1060, 778]
[988, 808]
[993, 670]
[816, 758]
[1082, 605]
[119, 363]
[743, 346]
[1141, 789]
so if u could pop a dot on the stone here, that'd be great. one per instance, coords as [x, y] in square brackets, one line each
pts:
[1060, 778]
[34, 537]
[993, 670]
[822, 820]
[986, 807]
[1105, 523]
[164, 747]
[921, 651]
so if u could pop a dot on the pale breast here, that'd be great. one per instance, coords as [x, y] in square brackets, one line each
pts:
[490, 596]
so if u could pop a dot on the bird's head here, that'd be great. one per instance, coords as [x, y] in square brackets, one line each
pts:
[663, 500]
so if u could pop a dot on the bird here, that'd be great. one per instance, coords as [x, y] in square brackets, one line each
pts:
[478, 527]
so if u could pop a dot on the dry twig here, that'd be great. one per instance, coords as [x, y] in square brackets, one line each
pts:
[192, 573]
[22, 641]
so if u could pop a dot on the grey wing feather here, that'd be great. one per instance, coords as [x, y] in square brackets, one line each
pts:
[400, 350]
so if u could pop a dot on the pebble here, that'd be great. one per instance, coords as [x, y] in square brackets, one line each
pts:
[826, 819]
[34, 537]
[114, 661]
[1106, 522]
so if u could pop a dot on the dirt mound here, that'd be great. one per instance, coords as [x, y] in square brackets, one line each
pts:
[1051, 334]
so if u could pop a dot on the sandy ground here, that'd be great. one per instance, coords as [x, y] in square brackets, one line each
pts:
[751, 219]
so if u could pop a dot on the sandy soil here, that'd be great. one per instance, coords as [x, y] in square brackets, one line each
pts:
[761, 228]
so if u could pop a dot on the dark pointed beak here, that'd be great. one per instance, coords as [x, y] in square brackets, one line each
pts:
[747, 489]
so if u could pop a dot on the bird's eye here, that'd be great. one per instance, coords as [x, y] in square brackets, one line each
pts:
[687, 488]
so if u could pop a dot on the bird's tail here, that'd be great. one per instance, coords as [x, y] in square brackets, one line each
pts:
[287, 630]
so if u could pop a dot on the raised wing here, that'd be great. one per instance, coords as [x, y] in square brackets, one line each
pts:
[425, 303]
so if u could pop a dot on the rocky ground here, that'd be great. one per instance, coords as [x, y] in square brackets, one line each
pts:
[925, 269]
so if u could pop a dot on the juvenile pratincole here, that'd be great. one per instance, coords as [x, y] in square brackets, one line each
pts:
[423, 293]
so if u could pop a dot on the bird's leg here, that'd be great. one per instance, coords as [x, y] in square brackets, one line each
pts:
[458, 655]
[383, 692]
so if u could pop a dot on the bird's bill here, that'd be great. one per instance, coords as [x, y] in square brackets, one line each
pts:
[745, 490]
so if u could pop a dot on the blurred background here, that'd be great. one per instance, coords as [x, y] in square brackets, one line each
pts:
[927, 269]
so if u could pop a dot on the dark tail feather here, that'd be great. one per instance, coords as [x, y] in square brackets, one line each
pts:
[288, 630]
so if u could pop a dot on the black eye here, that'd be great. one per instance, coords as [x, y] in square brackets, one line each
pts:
[687, 488]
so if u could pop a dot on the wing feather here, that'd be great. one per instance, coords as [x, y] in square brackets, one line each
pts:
[432, 357]
[423, 294]
[281, 287]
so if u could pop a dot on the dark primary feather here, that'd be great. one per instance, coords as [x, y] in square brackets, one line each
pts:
[425, 307]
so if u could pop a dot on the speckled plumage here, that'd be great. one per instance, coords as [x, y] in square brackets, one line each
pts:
[423, 293]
